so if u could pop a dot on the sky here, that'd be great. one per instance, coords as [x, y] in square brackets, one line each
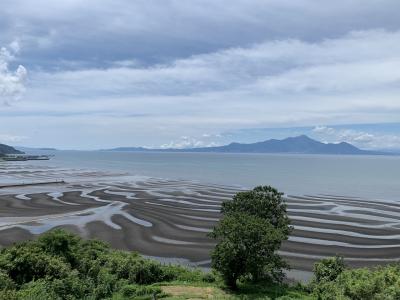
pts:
[168, 73]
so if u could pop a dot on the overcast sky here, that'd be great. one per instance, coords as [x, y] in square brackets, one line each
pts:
[97, 74]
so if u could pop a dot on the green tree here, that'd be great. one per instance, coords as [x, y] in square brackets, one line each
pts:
[263, 201]
[252, 229]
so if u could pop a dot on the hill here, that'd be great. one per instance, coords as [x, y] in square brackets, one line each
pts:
[5, 149]
[293, 145]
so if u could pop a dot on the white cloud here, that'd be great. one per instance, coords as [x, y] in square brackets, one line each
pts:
[9, 138]
[11, 83]
[359, 72]
[189, 142]
[359, 138]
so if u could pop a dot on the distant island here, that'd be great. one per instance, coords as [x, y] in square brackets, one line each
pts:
[5, 150]
[28, 149]
[293, 145]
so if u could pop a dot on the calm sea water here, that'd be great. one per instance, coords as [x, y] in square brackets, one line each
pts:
[373, 177]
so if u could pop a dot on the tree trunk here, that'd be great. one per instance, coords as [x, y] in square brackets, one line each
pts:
[231, 282]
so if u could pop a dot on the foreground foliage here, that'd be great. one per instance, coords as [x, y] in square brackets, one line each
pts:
[60, 265]
[333, 281]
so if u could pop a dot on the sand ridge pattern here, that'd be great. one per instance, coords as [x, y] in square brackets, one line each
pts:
[170, 219]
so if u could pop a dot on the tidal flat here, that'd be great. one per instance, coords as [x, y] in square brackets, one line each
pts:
[170, 219]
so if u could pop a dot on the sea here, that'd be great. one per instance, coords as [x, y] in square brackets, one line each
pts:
[368, 177]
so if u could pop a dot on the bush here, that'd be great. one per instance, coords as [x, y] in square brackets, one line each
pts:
[357, 284]
[8, 295]
[328, 269]
[36, 290]
[60, 265]
[146, 272]
[6, 282]
[208, 277]
[26, 262]
[60, 243]
[131, 291]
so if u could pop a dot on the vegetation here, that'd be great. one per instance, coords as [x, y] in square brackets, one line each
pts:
[264, 202]
[253, 226]
[333, 281]
[61, 265]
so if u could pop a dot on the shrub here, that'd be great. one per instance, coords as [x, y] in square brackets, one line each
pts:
[6, 282]
[36, 290]
[328, 269]
[8, 295]
[208, 277]
[25, 263]
[357, 284]
[60, 243]
[131, 291]
[180, 273]
[146, 272]
[60, 265]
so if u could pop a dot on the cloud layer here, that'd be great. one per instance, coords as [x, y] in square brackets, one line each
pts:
[132, 73]
[362, 139]
[93, 32]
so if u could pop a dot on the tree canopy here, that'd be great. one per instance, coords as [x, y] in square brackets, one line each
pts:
[252, 228]
[264, 202]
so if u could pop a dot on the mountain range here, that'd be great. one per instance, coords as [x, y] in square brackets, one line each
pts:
[293, 145]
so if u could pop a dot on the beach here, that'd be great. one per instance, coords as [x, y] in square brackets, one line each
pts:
[169, 219]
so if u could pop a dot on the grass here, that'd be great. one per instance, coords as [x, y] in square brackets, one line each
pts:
[194, 291]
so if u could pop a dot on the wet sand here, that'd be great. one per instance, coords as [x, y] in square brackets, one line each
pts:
[171, 218]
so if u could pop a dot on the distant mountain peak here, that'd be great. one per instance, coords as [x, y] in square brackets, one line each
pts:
[300, 137]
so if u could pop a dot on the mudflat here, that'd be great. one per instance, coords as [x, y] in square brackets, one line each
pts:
[170, 219]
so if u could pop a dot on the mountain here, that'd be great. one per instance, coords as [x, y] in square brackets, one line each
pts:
[293, 145]
[5, 149]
